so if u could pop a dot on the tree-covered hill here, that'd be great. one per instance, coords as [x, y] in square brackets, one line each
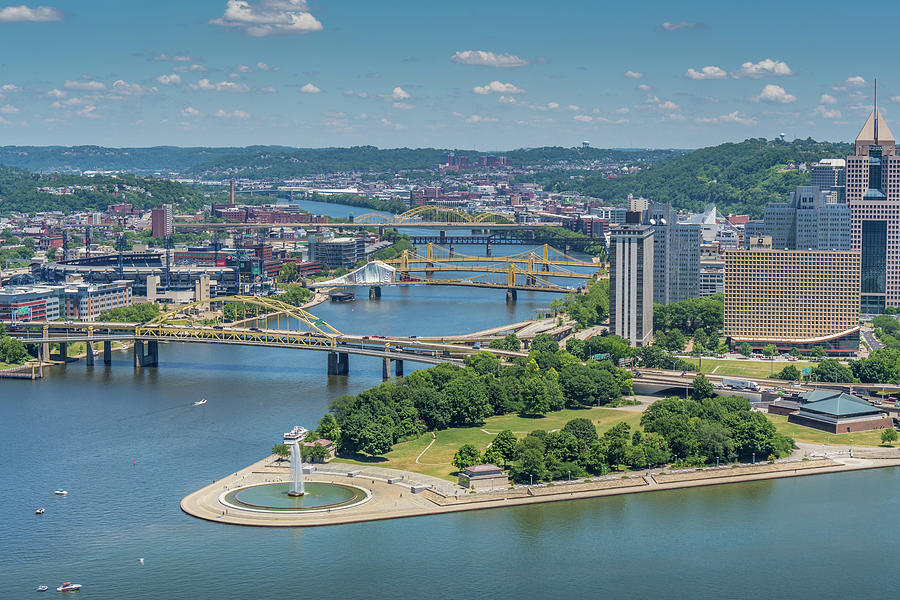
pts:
[19, 192]
[738, 177]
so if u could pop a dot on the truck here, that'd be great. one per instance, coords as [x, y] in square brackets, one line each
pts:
[740, 384]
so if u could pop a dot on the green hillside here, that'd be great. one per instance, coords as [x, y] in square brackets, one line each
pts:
[738, 177]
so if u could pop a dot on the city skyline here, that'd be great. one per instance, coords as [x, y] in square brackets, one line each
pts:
[488, 77]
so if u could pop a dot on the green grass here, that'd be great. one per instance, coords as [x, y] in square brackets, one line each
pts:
[814, 436]
[746, 368]
[437, 460]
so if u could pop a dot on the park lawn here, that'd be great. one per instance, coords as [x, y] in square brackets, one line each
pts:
[747, 368]
[814, 436]
[437, 460]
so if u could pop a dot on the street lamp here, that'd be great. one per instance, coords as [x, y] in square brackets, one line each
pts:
[532, 479]
[717, 462]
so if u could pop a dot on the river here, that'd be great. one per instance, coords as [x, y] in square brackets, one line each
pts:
[128, 445]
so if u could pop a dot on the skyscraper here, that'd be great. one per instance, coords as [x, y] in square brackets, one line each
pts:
[806, 222]
[631, 282]
[676, 255]
[161, 221]
[873, 193]
[830, 174]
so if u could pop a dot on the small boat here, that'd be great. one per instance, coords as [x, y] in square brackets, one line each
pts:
[61, 492]
[39, 511]
[296, 434]
[68, 586]
[41, 588]
[200, 402]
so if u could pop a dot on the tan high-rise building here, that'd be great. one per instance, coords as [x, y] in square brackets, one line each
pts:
[873, 193]
[793, 299]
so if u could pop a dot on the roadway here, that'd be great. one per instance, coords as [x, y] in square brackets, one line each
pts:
[411, 225]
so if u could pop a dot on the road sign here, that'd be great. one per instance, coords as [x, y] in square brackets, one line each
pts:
[601, 356]
[806, 371]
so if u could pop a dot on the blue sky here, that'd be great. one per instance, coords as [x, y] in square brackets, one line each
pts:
[487, 75]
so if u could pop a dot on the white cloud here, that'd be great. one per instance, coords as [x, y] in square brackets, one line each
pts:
[68, 102]
[403, 105]
[827, 113]
[827, 99]
[708, 72]
[507, 100]
[267, 17]
[57, 93]
[633, 74]
[488, 59]
[243, 69]
[553, 105]
[235, 114]
[176, 58]
[9, 109]
[388, 123]
[644, 87]
[129, 89]
[268, 90]
[583, 118]
[673, 117]
[8, 87]
[496, 87]
[574, 107]
[85, 85]
[223, 86]
[735, 117]
[309, 88]
[668, 105]
[88, 112]
[264, 67]
[856, 81]
[895, 98]
[399, 94]
[173, 79]
[39, 14]
[623, 111]
[667, 26]
[480, 119]
[184, 68]
[774, 93]
[763, 68]
[190, 111]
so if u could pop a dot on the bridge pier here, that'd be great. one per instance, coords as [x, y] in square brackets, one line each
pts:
[443, 237]
[511, 296]
[107, 352]
[386, 368]
[45, 352]
[451, 250]
[338, 363]
[374, 292]
[148, 359]
[63, 351]
[89, 355]
[398, 368]
[488, 249]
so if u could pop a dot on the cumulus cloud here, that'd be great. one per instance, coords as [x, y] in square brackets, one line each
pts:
[827, 99]
[57, 93]
[190, 111]
[762, 69]
[507, 100]
[235, 114]
[85, 85]
[173, 79]
[264, 67]
[735, 117]
[856, 81]
[268, 17]
[403, 106]
[8, 109]
[8, 87]
[708, 72]
[668, 105]
[309, 88]
[22, 13]
[243, 69]
[774, 93]
[583, 118]
[633, 74]
[388, 123]
[186, 68]
[496, 87]
[487, 59]
[573, 107]
[480, 119]
[644, 87]
[176, 58]
[827, 113]
[673, 117]
[669, 26]
[623, 111]
[223, 86]
[89, 112]
[124, 88]
[399, 94]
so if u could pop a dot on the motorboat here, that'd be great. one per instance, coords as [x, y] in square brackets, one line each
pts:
[200, 402]
[68, 586]
[41, 588]
[296, 434]
[39, 511]
[61, 492]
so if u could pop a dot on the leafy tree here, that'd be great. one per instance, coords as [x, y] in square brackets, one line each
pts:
[832, 370]
[288, 273]
[583, 430]
[136, 313]
[484, 363]
[468, 401]
[529, 466]
[510, 342]
[328, 428]
[675, 341]
[467, 456]
[544, 343]
[745, 349]
[361, 433]
[819, 352]
[505, 443]
[294, 294]
[586, 385]
[536, 397]
[795, 353]
[886, 323]
[617, 439]
[770, 350]
[562, 446]
[282, 451]
[888, 436]
[789, 373]
[702, 388]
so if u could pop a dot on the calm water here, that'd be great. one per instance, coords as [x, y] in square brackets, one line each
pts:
[129, 445]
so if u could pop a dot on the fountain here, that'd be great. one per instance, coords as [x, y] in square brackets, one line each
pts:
[297, 487]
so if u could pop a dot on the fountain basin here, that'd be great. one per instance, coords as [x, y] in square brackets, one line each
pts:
[276, 497]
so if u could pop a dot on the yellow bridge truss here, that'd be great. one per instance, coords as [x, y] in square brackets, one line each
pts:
[549, 256]
[433, 214]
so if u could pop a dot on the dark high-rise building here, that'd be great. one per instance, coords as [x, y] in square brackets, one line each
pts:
[806, 222]
[676, 255]
[830, 175]
[631, 283]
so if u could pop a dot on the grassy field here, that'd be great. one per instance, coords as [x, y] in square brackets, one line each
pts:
[746, 368]
[436, 460]
[813, 436]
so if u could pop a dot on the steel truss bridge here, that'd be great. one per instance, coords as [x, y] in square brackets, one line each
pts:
[181, 325]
